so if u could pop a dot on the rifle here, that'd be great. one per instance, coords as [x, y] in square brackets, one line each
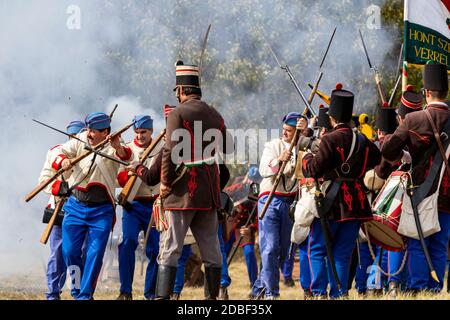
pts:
[86, 145]
[126, 190]
[288, 71]
[375, 70]
[319, 197]
[74, 161]
[319, 77]
[297, 132]
[59, 204]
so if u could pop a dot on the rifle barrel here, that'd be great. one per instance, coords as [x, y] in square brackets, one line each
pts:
[328, 48]
[365, 49]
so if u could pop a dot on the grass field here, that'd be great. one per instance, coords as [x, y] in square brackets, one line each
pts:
[34, 287]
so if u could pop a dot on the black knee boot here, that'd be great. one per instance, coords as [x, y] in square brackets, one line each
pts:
[165, 282]
[212, 282]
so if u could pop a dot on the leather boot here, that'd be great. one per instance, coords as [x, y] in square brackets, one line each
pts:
[125, 296]
[165, 282]
[212, 282]
[223, 293]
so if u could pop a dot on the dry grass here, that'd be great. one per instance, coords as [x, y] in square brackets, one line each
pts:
[33, 288]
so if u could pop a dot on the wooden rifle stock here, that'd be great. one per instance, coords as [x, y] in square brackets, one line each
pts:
[74, 161]
[126, 190]
[314, 90]
[58, 207]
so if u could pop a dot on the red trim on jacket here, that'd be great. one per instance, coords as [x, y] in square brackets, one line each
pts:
[58, 145]
[55, 187]
[58, 160]
[136, 143]
[139, 170]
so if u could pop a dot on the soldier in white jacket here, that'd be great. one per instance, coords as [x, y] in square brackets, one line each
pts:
[275, 227]
[137, 213]
[90, 209]
[56, 268]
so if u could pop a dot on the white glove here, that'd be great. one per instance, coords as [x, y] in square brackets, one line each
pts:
[406, 158]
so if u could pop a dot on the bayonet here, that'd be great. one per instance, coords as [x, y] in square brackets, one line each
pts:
[375, 70]
[291, 77]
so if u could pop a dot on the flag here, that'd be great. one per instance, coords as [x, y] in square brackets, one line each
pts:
[427, 31]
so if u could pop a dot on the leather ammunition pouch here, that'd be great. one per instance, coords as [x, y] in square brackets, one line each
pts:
[48, 212]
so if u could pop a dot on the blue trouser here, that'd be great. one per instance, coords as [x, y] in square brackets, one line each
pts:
[179, 280]
[250, 261]
[305, 267]
[133, 221]
[375, 278]
[419, 273]
[362, 269]
[56, 268]
[274, 240]
[395, 260]
[225, 279]
[81, 221]
[250, 257]
[288, 265]
[345, 235]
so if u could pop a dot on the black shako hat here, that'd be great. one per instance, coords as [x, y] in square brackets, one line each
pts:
[186, 75]
[323, 120]
[341, 106]
[435, 77]
[387, 120]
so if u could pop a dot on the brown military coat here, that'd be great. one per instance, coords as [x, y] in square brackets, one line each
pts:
[351, 201]
[199, 188]
[416, 133]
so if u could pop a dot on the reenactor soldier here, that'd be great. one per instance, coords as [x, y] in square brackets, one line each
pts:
[191, 199]
[418, 133]
[56, 268]
[275, 228]
[342, 158]
[136, 216]
[90, 209]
